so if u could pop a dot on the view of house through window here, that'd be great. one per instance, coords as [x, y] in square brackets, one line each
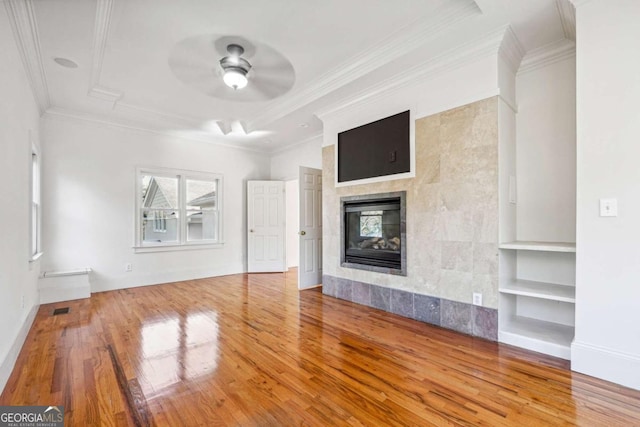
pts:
[177, 209]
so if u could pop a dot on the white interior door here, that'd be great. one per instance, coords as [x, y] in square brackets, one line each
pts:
[265, 226]
[310, 260]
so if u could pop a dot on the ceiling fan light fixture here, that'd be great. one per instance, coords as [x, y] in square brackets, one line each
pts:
[235, 78]
[235, 67]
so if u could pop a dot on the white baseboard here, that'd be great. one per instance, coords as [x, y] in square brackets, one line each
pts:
[105, 283]
[7, 365]
[607, 364]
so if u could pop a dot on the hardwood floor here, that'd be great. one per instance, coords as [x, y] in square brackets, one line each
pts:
[252, 350]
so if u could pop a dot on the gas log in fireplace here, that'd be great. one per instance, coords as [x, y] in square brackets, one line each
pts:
[373, 232]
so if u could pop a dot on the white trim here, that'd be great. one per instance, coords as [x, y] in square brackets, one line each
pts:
[134, 110]
[385, 178]
[110, 95]
[102, 25]
[173, 247]
[151, 278]
[77, 272]
[34, 253]
[36, 257]
[297, 144]
[454, 58]
[548, 54]
[608, 364]
[22, 17]
[511, 49]
[567, 12]
[578, 3]
[506, 101]
[399, 43]
[449, 106]
[63, 113]
[9, 361]
[100, 36]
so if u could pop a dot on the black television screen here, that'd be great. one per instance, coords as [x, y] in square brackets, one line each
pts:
[376, 149]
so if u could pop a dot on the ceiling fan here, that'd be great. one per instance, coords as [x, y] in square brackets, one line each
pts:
[231, 68]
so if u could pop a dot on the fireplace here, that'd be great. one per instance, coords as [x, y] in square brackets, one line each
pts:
[373, 232]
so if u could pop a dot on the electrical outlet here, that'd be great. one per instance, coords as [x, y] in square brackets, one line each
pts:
[128, 267]
[477, 298]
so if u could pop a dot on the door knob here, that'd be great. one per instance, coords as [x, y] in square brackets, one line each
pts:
[302, 233]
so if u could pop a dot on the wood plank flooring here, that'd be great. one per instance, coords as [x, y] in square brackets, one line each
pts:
[252, 350]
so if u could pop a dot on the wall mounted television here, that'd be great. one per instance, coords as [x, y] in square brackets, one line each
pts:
[376, 149]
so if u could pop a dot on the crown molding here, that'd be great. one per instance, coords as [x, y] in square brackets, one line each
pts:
[401, 42]
[456, 57]
[106, 94]
[578, 3]
[511, 49]
[25, 30]
[104, 9]
[293, 146]
[548, 54]
[138, 113]
[567, 12]
[59, 113]
[224, 126]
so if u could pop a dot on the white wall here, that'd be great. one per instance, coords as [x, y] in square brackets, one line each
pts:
[285, 166]
[546, 154]
[285, 163]
[89, 184]
[607, 343]
[293, 222]
[18, 278]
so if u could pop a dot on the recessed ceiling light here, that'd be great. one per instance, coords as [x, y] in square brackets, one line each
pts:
[64, 62]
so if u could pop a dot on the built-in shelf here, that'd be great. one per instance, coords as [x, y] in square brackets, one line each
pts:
[550, 291]
[539, 246]
[537, 335]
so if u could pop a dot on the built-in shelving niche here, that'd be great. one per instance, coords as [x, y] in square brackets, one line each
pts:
[537, 296]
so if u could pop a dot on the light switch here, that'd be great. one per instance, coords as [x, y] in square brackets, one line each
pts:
[608, 207]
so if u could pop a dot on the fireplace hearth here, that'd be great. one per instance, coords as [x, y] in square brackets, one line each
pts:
[373, 232]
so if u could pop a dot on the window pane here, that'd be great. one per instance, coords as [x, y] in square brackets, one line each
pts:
[201, 194]
[35, 178]
[159, 226]
[202, 225]
[159, 192]
[34, 228]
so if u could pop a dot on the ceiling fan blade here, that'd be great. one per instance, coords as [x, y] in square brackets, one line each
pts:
[195, 62]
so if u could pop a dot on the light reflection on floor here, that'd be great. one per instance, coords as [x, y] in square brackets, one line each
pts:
[178, 348]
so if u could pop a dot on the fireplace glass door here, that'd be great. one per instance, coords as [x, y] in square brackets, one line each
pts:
[372, 233]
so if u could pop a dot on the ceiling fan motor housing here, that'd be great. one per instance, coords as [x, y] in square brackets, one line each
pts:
[235, 65]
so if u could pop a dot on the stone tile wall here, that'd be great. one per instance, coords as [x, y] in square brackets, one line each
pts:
[462, 317]
[452, 222]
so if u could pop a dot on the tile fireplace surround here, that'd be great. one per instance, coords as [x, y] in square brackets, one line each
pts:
[451, 226]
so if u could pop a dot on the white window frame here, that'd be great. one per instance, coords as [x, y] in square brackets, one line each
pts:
[182, 243]
[35, 202]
